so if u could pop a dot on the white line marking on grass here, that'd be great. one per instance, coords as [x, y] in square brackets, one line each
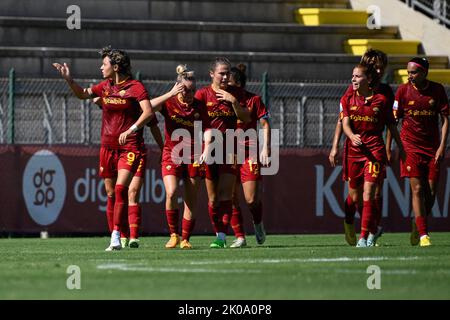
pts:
[384, 271]
[296, 260]
[143, 268]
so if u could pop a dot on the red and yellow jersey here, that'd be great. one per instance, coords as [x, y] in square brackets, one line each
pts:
[180, 115]
[257, 111]
[382, 88]
[120, 106]
[221, 113]
[420, 111]
[368, 117]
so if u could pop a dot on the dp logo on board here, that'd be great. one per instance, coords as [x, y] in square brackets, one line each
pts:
[44, 187]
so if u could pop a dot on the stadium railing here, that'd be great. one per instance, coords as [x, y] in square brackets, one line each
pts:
[44, 111]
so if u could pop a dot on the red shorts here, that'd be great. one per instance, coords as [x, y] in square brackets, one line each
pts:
[361, 171]
[168, 168]
[419, 165]
[141, 168]
[112, 160]
[213, 171]
[346, 165]
[250, 171]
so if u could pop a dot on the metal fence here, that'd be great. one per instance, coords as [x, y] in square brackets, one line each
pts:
[436, 9]
[44, 111]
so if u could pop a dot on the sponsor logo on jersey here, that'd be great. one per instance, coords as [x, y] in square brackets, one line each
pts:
[182, 121]
[223, 113]
[363, 118]
[114, 101]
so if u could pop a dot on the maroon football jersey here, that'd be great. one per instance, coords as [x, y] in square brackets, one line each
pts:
[179, 115]
[420, 111]
[257, 111]
[382, 88]
[221, 113]
[368, 116]
[120, 105]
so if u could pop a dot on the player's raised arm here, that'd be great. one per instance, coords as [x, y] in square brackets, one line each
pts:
[81, 93]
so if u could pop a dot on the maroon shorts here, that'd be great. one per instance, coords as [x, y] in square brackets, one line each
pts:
[250, 171]
[112, 160]
[360, 171]
[419, 165]
[141, 168]
[213, 171]
[168, 168]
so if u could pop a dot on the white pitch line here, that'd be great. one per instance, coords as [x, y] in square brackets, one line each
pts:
[383, 271]
[296, 260]
[142, 268]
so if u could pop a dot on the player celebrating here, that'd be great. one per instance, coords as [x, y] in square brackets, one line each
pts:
[249, 171]
[126, 109]
[180, 110]
[130, 234]
[129, 231]
[378, 60]
[419, 103]
[225, 105]
[365, 115]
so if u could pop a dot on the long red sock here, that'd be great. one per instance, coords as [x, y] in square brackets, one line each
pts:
[422, 227]
[172, 220]
[237, 223]
[120, 207]
[214, 217]
[226, 219]
[110, 212]
[225, 207]
[368, 219]
[187, 227]
[379, 210]
[256, 212]
[134, 220]
[349, 210]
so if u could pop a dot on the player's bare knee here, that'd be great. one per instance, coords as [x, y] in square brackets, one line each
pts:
[251, 201]
[417, 190]
[132, 196]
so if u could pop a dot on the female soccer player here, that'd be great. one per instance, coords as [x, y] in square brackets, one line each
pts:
[130, 234]
[420, 103]
[378, 60]
[181, 110]
[225, 106]
[249, 171]
[126, 109]
[365, 113]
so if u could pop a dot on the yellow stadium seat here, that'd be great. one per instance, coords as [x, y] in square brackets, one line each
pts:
[389, 46]
[437, 75]
[319, 16]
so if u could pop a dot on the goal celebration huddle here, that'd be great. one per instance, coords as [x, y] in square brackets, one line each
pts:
[370, 113]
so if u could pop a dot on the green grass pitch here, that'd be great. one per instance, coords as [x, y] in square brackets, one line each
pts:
[285, 267]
